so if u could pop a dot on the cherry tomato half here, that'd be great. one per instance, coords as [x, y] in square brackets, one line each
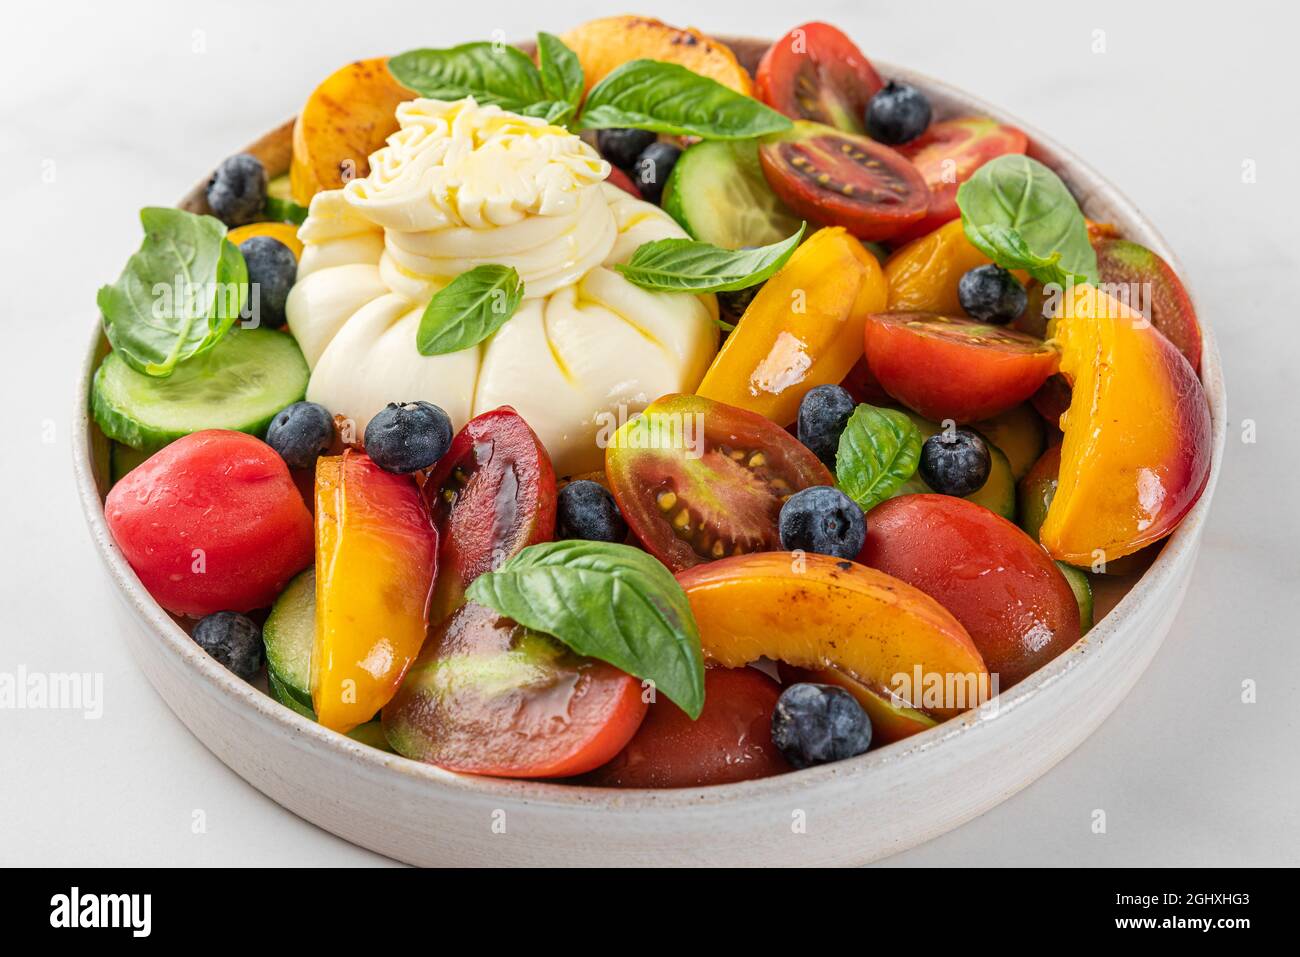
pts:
[841, 179]
[488, 696]
[491, 495]
[947, 154]
[815, 72]
[698, 480]
[730, 741]
[956, 369]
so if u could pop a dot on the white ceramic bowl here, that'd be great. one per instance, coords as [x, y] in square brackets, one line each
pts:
[852, 812]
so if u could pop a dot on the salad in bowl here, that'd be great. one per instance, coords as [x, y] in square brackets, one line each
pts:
[594, 411]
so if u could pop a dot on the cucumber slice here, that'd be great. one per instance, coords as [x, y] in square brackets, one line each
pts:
[122, 459]
[998, 494]
[279, 202]
[1019, 433]
[288, 634]
[240, 384]
[1082, 589]
[718, 193]
[282, 694]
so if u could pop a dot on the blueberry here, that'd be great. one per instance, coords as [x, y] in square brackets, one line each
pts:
[653, 167]
[991, 294]
[622, 147]
[408, 437]
[237, 190]
[822, 416]
[897, 114]
[587, 510]
[824, 520]
[272, 269]
[233, 639]
[816, 724]
[301, 433]
[737, 301]
[955, 463]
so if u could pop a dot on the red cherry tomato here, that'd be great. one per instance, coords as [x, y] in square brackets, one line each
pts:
[815, 72]
[488, 696]
[699, 480]
[730, 741]
[840, 179]
[491, 495]
[996, 580]
[213, 522]
[624, 182]
[956, 369]
[862, 385]
[947, 154]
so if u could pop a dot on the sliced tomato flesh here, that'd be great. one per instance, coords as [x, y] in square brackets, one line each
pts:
[947, 154]
[817, 73]
[949, 368]
[840, 179]
[699, 480]
[488, 696]
[490, 495]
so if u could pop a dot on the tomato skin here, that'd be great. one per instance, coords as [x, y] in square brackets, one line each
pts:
[956, 369]
[947, 154]
[730, 741]
[817, 58]
[226, 493]
[485, 694]
[997, 581]
[842, 179]
[506, 503]
[728, 504]
[624, 182]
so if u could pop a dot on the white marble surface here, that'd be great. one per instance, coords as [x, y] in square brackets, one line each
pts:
[108, 107]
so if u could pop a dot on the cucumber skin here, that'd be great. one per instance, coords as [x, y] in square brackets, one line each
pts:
[271, 630]
[282, 694]
[1082, 589]
[118, 425]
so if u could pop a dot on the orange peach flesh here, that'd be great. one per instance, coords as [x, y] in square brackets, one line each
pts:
[816, 612]
[1136, 452]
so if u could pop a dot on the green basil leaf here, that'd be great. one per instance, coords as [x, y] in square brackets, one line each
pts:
[493, 73]
[179, 293]
[878, 452]
[469, 309]
[687, 265]
[562, 77]
[612, 602]
[1018, 213]
[555, 112]
[668, 98]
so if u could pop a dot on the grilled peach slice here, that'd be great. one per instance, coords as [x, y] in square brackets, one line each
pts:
[345, 119]
[1136, 452]
[816, 612]
[606, 44]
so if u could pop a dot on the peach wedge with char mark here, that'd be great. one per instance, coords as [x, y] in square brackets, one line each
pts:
[815, 612]
[1136, 452]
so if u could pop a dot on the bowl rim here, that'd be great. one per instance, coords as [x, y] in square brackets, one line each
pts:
[563, 796]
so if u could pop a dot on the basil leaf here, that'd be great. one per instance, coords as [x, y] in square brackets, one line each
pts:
[555, 112]
[492, 73]
[878, 452]
[469, 309]
[612, 602]
[1018, 213]
[562, 77]
[668, 98]
[179, 293]
[687, 265]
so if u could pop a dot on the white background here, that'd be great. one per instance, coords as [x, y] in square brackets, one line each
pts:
[116, 103]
